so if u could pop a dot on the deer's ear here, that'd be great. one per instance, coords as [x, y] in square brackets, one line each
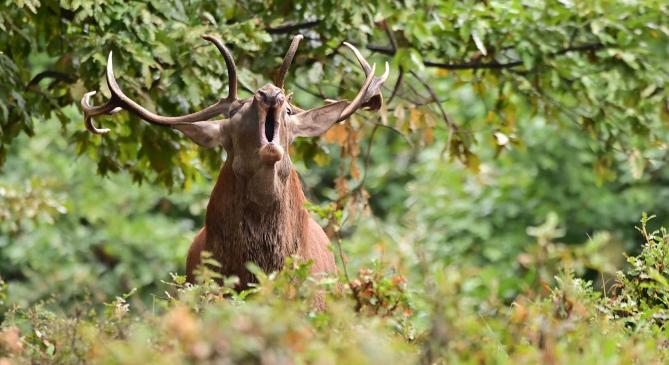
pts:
[314, 122]
[206, 133]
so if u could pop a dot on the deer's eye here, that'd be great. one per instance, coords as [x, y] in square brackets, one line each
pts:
[289, 110]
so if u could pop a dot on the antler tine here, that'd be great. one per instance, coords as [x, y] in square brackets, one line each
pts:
[355, 104]
[120, 101]
[314, 122]
[371, 83]
[90, 111]
[363, 62]
[287, 60]
[229, 63]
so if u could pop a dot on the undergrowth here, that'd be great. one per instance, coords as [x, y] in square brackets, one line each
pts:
[379, 317]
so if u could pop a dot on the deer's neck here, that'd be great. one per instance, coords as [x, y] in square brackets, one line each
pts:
[239, 229]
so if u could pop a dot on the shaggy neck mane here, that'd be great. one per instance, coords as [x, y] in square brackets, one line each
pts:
[239, 230]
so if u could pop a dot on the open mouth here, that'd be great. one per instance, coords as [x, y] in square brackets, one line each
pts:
[270, 125]
[270, 128]
[270, 150]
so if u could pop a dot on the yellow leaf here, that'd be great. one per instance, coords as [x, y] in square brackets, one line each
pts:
[473, 163]
[411, 125]
[337, 134]
[430, 120]
[490, 117]
[428, 135]
[322, 159]
[355, 171]
[414, 118]
[398, 113]
[341, 186]
[383, 112]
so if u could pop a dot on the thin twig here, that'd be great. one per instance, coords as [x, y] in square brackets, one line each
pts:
[407, 97]
[415, 92]
[245, 86]
[393, 46]
[354, 290]
[361, 184]
[452, 128]
[391, 35]
[367, 155]
[318, 94]
[404, 136]
[400, 77]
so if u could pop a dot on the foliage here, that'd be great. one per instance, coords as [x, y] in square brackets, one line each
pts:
[104, 236]
[642, 295]
[199, 324]
[483, 216]
[423, 206]
[596, 65]
[276, 322]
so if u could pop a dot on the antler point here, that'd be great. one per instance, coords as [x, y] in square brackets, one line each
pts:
[86, 99]
[386, 72]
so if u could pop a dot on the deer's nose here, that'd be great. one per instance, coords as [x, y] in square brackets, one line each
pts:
[271, 95]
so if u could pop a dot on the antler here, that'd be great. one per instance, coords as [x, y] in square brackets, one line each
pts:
[316, 121]
[370, 94]
[287, 60]
[120, 101]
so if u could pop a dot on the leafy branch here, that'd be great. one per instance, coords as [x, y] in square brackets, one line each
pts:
[477, 65]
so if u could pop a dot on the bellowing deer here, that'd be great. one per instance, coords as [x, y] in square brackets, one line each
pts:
[256, 211]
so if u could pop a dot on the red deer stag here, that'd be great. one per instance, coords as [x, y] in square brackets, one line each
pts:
[256, 211]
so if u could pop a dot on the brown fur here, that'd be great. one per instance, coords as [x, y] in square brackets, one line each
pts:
[238, 231]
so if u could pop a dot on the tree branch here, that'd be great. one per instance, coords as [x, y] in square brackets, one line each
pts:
[393, 45]
[60, 76]
[590, 47]
[396, 88]
[291, 27]
[452, 127]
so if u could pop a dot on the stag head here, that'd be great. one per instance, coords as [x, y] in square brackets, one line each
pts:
[256, 131]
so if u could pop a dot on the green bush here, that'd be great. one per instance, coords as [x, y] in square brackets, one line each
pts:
[641, 296]
[377, 318]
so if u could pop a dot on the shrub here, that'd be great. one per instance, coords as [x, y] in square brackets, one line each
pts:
[455, 316]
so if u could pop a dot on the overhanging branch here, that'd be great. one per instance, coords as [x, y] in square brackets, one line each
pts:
[590, 47]
[291, 27]
[57, 75]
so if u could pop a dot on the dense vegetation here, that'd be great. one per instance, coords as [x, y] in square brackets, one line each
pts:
[485, 215]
